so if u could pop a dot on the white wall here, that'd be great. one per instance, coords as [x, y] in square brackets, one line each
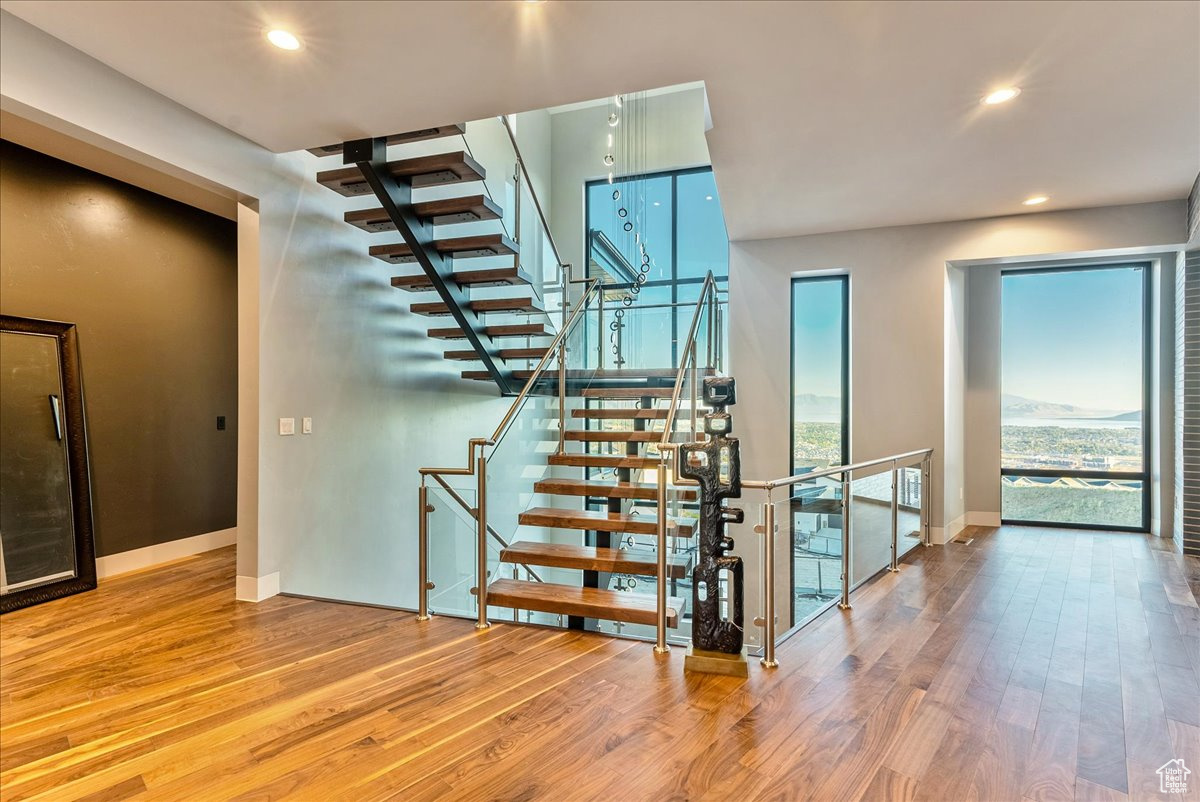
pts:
[981, 403]
[674, 135]
[905, 326]
[336, 510]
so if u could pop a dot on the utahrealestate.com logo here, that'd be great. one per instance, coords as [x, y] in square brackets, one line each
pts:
[1173, 776]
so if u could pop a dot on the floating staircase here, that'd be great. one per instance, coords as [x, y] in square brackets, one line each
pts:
[611, 508]
[598, 492]
[419, 221]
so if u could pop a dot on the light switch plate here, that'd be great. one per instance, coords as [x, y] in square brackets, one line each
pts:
[287, 426]
[306, 426]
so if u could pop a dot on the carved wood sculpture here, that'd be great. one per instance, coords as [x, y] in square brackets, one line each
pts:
[716, 465]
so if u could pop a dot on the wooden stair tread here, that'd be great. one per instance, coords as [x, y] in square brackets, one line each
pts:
[627, 392]
[595, 521]
[482, 375]
[422, 171]
[628, 413]
[495, 332]
[505, 353]
[483, 305]
[458, 129]
[590, 558]
[489, 277]
[646, 491]
[602, 436]
[444, 212]
[610, 605]
[601, 461]
[637, 373]
[456, 247]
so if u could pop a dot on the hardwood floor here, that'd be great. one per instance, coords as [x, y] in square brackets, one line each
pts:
[1031, 664]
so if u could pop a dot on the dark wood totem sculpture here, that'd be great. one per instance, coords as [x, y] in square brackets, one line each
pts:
[716, 465]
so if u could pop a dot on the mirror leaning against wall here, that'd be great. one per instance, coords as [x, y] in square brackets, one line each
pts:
[46, 544]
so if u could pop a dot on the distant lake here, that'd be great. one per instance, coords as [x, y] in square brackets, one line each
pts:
[1073, 423]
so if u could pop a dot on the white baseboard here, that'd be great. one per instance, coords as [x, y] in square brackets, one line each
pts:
[941, 535]
[982, 519]
[257, 588]
[159, 553]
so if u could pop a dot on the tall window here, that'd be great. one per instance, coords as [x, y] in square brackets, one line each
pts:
[820, 372]
[680, 218]
[1076, 383]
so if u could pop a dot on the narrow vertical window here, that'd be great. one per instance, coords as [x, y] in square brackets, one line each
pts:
[820, 372]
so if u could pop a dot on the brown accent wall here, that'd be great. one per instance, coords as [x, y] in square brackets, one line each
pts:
[152, 286]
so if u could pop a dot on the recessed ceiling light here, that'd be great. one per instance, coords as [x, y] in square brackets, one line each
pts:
[283, 39]
[1001, 96]
[656, 203]
[1036, 200]
[708, 197]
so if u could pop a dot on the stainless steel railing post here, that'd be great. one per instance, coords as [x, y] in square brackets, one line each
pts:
[660, 622]
[894, 566]
[600, 332]
[926, 501]
[768, 560]
[423, 552]
[481, 533]
[695, 387]
[844, 604]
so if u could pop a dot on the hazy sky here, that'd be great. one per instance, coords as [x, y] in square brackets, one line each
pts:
[1074, 337]
[817, 333]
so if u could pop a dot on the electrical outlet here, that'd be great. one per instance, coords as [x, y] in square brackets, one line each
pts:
[220, 423]
[306, 426]
[287, 426]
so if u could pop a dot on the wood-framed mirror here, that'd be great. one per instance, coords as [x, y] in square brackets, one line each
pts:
[46, 544]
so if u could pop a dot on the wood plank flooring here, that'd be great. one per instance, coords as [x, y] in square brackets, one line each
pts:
[1030, 665]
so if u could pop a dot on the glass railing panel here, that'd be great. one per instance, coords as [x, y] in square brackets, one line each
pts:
[870, 522]
[811, 523]
[452, 540]
[910, 492]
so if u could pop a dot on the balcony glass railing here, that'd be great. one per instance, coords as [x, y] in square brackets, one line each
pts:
[824, 533]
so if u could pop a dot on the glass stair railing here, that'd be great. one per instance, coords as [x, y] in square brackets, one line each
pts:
[560, 514]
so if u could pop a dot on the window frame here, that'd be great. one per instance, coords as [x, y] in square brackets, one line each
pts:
[1147, 400]
[844, 280]
[674, 282]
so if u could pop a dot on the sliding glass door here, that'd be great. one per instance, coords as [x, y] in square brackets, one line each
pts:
[1076, 386]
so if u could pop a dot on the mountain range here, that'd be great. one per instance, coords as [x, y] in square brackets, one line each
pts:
[1015, 406]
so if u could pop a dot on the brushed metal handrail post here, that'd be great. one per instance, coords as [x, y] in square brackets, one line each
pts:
[695, 389]
[768, 558]
[423, 552]
[926, 500]
[481, 539]
[600, 332]
[844, 604]
[660, 590]
[894, 566]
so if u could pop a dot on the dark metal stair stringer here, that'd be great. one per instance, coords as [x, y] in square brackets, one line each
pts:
[395, 194]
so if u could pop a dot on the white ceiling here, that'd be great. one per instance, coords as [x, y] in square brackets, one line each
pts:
[827, 116]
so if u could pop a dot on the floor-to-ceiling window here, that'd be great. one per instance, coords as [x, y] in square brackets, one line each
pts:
[820, 403]
[677, 215]
[1075, 377]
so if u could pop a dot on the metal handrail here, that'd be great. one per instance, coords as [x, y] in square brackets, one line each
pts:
[767, 620]
[555, 344]
[706, 289]
[537, 204]
[787, 481]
